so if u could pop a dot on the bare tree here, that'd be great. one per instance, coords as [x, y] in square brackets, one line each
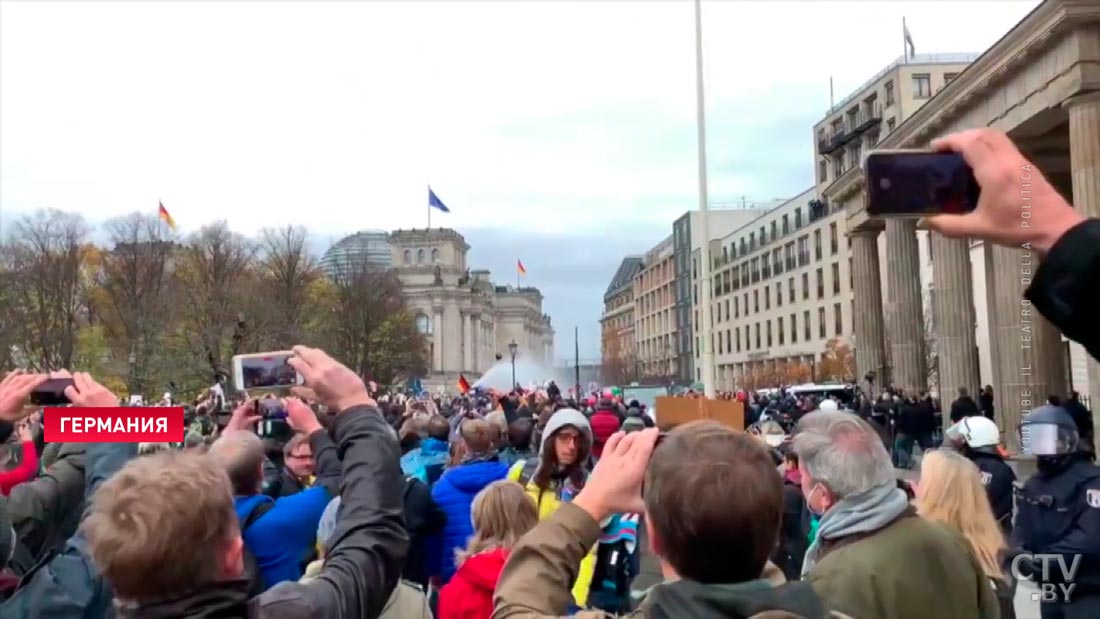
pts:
[45, 287]
[133, 297]
[366, 301]
[286, 271]
[218, 285]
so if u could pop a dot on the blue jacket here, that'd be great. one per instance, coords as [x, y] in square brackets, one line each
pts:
[454, 493]
[427, 461]
[283, 537]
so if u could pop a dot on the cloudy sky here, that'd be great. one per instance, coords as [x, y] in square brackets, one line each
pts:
[559, 133]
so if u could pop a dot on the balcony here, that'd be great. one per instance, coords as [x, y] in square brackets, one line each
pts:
[853, 126]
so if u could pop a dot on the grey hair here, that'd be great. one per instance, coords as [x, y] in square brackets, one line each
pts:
[242, 454]
[843, 452]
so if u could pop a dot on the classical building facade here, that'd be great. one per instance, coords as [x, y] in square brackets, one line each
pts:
[655, 313]
[1040, 83]
[617, 326]
[782, 291]
[467, 320]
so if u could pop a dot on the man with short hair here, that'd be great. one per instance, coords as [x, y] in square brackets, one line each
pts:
[298, 473]
[164, 531]
[873, 556]
[712, 500]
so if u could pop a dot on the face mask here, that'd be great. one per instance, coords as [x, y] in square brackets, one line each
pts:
[809, 501]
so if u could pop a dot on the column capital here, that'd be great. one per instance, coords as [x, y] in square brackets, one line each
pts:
[1080, 99]
[871, 231]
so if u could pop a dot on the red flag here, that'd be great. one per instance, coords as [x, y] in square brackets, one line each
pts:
[463, 384]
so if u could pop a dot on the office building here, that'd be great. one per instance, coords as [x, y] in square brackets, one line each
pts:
[655, 315]
[619, 357]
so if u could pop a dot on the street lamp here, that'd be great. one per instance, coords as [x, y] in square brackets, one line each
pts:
[512, 348]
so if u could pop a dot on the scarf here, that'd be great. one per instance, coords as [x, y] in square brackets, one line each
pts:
[491, 456]
[868, 511]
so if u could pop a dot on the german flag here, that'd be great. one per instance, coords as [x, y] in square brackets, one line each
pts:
[163, 214]
[520, 268]
[463, 384]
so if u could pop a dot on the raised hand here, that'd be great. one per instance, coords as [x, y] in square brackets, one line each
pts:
[14, 391]
[335, 386]
[85, 391]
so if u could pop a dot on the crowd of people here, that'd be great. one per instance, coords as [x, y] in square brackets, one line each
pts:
[337, 501]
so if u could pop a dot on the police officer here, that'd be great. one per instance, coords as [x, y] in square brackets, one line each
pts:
[978, 438]
[1058, 514]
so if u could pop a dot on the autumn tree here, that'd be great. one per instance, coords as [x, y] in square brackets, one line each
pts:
[45, 290]
[286, 272]
[614, 364]
[217, 284]
[838, 362]
[133, 299]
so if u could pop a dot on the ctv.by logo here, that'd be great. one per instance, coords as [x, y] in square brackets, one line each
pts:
[1048, 591]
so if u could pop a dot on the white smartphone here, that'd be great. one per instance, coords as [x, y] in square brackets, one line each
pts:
[265, 371]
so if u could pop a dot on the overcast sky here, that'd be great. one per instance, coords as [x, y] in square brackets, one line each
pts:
[559, 133]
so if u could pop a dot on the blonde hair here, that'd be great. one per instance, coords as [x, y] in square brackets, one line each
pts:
[502, 513]
[951, 492]
[146, 449]
[161, 525]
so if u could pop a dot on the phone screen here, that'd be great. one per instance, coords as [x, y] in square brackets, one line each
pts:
[919, 183]
[51, 392]
[267, 372]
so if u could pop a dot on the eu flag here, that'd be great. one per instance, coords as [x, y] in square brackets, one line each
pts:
[435, 202]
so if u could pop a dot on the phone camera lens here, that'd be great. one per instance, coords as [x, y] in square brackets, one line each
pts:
[884, 183]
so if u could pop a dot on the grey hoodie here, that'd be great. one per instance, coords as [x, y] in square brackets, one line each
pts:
[562, 418]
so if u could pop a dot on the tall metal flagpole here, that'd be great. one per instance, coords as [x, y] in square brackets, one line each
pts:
[706, 358]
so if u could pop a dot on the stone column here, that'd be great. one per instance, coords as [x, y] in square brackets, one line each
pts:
[867, 293]
[437, 339]
[475, 342]
[1029, 360]
[452, 338]
[953, 318]
[467, 342]
[1084, 154]
[906, 326]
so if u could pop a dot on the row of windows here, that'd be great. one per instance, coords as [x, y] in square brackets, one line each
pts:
[752, 337]
[791, 256]
[420, 256]
[741, 303]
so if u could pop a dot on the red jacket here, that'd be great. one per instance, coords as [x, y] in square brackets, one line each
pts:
[604, 423]
[469, 594]
[26, 470]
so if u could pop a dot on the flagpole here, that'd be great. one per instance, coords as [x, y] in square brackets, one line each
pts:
[707, 357]
[904, 43]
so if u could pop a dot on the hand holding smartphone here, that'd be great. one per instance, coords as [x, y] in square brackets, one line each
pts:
[917, 183]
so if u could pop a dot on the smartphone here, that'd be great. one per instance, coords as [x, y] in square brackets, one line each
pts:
[915, 183]
[51, 392]
[271, 408]
[265, 371]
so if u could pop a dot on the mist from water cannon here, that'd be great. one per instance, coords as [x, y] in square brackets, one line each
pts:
[528, 374]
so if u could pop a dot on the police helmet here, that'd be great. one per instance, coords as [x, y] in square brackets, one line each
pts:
[977, 433]
[1048, 431]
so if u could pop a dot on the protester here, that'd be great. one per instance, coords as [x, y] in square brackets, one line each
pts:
[604, 423]
[558, 475]
[519, 441]
[426, 462]
[963, 406]
[872, 555]
[278, 533]
[46, 511]
[951, 491]
[165, 534]
[476, 467]
[707, 493]
[795, 523]
[424, 522]
[28, 462]
[501, 515]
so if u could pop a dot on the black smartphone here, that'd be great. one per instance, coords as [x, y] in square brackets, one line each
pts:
[51, 392]
[915, 183]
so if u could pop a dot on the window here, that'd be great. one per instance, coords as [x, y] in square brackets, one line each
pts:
[769, 333]
[408, 256]
[420, 256]
[779, 324]
[817, 244]
[820, 284]
[737, 339]
[836, 278]
[775, 230]
[720, 351]
[757, 330]
[890, 93]
[790, 290]
[794, 330]
[748, 340]
[949, 77]
[890, 124]
[727, 309]
[736, 307]
[767, 298]
[752, 241]
[838, 320]
[435, 256]
[832, 238]
[821, 322]
[779, 295]
[838, 165]
[805, 286]
[763, 237]
[922, 86]
[765, 267]
[788, 254]
[806, 325]
[728, 347]
[803, 251]
[746, 301]
[777, 261]
[822, 171]
[423, 323]
[786, 226]
[797, 218]
[756, 301]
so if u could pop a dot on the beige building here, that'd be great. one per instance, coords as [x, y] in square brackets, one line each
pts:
[617, 325]
[1041, 84]
[468, 320]
[782, 291]
[655, 313]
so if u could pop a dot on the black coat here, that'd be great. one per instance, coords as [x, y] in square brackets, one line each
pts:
[965, 406]
[423, 519]
[1064, 289]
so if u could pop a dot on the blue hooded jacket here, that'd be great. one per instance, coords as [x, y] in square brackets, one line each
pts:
[283, 537]
[454, 493]
[427, 461]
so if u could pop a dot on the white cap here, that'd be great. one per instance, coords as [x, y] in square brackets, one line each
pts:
[828, 406]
